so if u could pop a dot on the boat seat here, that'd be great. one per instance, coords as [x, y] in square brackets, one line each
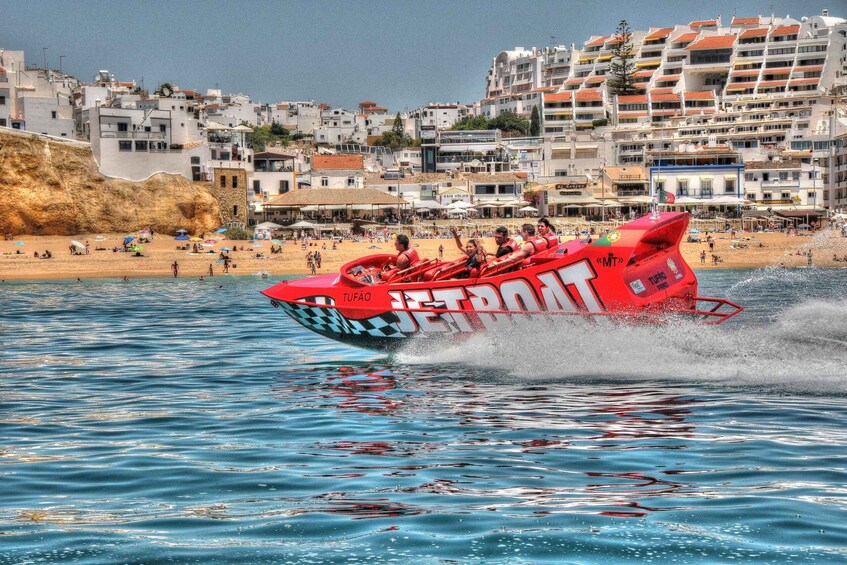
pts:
[450, 271]
[411, 272]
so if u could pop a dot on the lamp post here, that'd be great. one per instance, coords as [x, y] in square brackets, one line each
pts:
[815, 162]
[603, 192]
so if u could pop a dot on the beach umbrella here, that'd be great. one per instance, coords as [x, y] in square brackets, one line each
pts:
[128, 239]
[211, 241]
[182, 237]
[528, 209]
[276, 242]
[221, 230]
[19, 243]
[137, 248]
[181, 231]
[143, 231]
[226, 249]
[694, 230]
[196, 240]
[77, 244]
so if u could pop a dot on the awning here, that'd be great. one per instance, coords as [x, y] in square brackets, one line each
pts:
[459, 148]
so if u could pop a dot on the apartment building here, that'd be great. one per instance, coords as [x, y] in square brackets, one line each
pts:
[35, 99]
[337, 171]
[436, 115]
[340, 126]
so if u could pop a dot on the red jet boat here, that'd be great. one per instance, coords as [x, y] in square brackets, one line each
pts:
[634, 273]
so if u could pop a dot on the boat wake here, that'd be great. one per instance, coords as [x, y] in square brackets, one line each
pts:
[802, 349]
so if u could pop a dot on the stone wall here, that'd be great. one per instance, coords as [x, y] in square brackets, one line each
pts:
[229, 186]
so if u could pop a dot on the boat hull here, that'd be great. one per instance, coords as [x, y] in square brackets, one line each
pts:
[634, 274]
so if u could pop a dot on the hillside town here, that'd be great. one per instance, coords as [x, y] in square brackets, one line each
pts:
[746, 118]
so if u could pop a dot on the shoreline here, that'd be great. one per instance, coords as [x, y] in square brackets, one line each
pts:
[763, 249]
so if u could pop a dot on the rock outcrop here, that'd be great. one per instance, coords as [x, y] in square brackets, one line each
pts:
[54, 188]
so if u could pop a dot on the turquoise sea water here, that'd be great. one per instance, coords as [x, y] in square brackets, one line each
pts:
[174, 421]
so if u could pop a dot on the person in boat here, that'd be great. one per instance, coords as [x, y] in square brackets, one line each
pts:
[505, 244]
[477, 257]
[545, 230]
[532, 244]
[405, 257]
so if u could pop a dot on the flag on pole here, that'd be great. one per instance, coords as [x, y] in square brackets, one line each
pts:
[666, 197]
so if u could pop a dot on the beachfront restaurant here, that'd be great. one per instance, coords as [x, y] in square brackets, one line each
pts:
[332, 205]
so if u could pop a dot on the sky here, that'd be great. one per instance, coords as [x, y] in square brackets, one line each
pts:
[401, 54]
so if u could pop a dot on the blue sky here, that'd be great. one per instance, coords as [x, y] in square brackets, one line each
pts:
[400, 54]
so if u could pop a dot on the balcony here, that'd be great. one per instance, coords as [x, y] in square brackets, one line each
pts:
[155, 135]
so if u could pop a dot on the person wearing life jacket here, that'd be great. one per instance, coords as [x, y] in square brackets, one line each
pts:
[532, 244]
[546, 231]
[477, 257]
[505, 244]
[405, 257]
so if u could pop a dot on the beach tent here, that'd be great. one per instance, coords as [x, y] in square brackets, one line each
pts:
[77, 244]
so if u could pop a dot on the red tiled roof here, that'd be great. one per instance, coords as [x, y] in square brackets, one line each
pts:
[745, 21]
[662, 90]
[668, 78]
[758, 32]
[367, 103]
[772, 83]
[596, 79]
[786, 30]
[699, 95]
[596, 41]
[665, 112]
[588, 96]
[664, 98]
[648, 73]
[704, 110]
[575, 81]
[713, 42]
[659, 33]
[633, 99]
[558, 97]
[320, 162]
[702, 23]
[686, 37]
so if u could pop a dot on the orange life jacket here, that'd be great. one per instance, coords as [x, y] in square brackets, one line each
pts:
[538, 243]
[507, 247]
[412, 254]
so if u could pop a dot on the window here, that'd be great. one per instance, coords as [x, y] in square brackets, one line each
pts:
[234, 182]
[2, 100]
[324, 181]
[235, 210]
[257, 187]
[351, 182]
[163, 128]
[766, 177]
[196, 160]
[683, 187]
[141, 146]
[124, 146]
[123, 126]
[795, 176]
[283, 186]
[223, 181]
[53, 114]
[785, 195]
[706, 187]
[729, 186]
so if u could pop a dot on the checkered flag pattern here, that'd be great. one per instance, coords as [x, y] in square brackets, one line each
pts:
[327, 319]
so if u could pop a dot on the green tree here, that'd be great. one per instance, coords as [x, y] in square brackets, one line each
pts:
[397, 128]
[394, 141]
[622, 67]
[534, 122]
[278, 130]
[510, 124]
[165, 89]
[471, 123]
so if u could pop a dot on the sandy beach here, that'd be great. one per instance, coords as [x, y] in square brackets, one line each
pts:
[17, 261]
